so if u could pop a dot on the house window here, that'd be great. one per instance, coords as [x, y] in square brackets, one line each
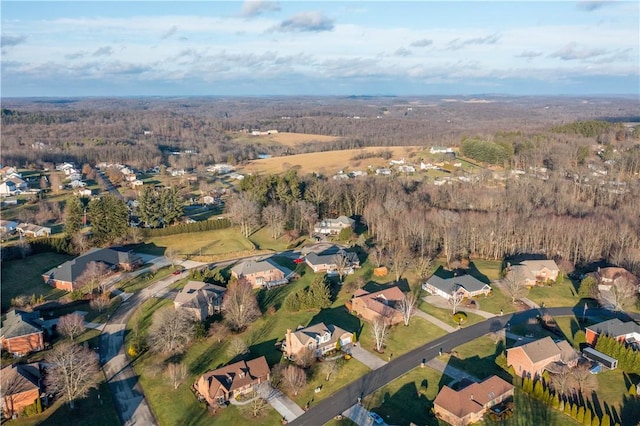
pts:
[310, 346]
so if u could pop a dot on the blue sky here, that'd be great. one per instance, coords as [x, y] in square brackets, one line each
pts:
[121, 48]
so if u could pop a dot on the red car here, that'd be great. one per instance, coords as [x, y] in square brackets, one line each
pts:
[177, 272]
[298, 260]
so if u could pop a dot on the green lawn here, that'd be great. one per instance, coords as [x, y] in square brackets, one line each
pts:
[213, 242]
[24, 277]
[263, 241]
[489, 268]
[402, 339]
[495, 302]
[409, 398]
[445, 314]
[478, 358]
[573, 329]
[559, 294]
[144, 280]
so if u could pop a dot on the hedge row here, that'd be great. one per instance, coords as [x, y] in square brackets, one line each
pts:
[205, 225]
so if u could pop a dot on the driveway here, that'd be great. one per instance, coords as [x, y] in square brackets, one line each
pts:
[360, 415]
[280, 402]
[366, 357]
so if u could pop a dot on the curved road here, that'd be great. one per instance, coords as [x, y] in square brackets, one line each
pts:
[340, 401]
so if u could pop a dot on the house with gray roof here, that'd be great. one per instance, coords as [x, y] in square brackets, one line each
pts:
[200, 299]
[65, 276]
[444, 283]
[329, 259]
[531, 359]
[628, 332]
[334, 226]
[262, 274]
[33, 231]
[20, 333]
[319, 338]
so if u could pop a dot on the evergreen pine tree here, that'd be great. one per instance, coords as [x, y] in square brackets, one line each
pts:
[596, 420]
[574, 410]
[580, 415]
[606, 420]
[537, 390]
[632, 390]
[555, 401]
[587, 417]
[73, 216]
[567, 408]
[546, 396]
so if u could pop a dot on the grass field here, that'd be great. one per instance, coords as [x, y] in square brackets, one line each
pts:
[445, 315]
[285, 138]
[324, 162]
[562, 293]
[24, 277]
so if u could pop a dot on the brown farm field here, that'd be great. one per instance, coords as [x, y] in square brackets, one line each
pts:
[327, 162]
[284, 138]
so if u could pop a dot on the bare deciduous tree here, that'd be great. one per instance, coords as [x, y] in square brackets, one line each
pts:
[101, 302]
[72, 371]
[456, 299]
[514, 283]
[80, 242]
[407, 306]
[172, 256]
[237, 347]
[328, 368]
[380, 332]
[239, 306]
[274, 217]
[219, 330]
[306, 357]
[620, 295]
[423, 267]
[399, 255]
[561, 380]
[582, 379]
[294, 378]
[171, 332]
[342, 265]
[176, 373]
[71, 325]
[24, 248]
[244, 212]
[92, 276]
[257, 404]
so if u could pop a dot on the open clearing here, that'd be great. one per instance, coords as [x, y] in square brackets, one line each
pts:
[329, 161]
[283, 138]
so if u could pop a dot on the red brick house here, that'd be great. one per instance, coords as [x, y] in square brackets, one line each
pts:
[261, 274]
[217, 387]
[468, 405]
[20, 387]
[628, 332]
[531, 359]
[65, 276]
[20, 335]
[383, 303]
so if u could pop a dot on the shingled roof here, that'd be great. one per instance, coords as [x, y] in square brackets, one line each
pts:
[19, 323]
[237, 375]
[70, 271]
[615, 328]
[451, 284]
[194, 294]
[253, 267]
[472, 398]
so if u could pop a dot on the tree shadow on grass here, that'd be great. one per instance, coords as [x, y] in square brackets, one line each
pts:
[407, 406]
[268, 349]
[340, 317]
[630, 410]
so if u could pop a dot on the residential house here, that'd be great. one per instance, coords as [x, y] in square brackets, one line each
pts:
[444, 283]
[220, 168]
[319, 338]
[469, 404]
[76, 183]
[217, 387]
[64, 167]
[33, 231]
[330, 260]
[406, 169]
[21, 385]
[383, 171]
[628, 332]
[264, 273]
[7, 171]
[200, 299]
[65, 276]
[384, 303]
[8, 226]
[7, 188]
[334, 226]
[531, 359]
[20, 334]
[605, 277]
[534, 272]
[440, 150]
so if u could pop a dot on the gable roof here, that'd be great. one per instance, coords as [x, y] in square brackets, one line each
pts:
[472, 398]
[30, 227]
[448, 285]
[249, 267]
[237, 375]
[18, 378]
[310, 333]
[536, 265]
[614, 327]
[70, 271]
[328, 256]
[196, 293]
[19, 323]
[382, 300]
[539, 350]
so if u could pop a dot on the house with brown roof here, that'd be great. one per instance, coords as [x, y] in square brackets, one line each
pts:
[319, 338]
[468, 405]
[261, 274]
[628, 332]
[200, 299]
[21, 386]
[606, 277]
[531, 359]
[534, 272]
[217, 387]
[20, 333]
[384, 303]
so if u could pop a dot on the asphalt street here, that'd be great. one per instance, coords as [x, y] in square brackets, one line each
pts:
[339, 402]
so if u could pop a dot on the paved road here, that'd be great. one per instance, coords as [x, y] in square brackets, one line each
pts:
[342, 400]
[108, 185]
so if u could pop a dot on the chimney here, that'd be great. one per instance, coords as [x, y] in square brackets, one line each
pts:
[471, 397]
[287, 341]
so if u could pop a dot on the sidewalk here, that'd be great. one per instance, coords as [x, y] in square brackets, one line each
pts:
[446, 327]
[366, 357]
[440, 302]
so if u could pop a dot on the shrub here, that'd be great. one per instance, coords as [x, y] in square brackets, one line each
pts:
[460, 318]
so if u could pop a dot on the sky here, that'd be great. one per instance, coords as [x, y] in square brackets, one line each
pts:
[261, 48]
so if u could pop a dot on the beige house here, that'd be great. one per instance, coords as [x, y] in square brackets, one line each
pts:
[606, 277]
[261, 274]
[534, 272]
[334, 226]
[200, 299]
[319, 338]
[217, 387]
[384, 303]
[468, 405]
[531, 359]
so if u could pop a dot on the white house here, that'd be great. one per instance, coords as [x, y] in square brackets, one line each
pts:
[440, 150]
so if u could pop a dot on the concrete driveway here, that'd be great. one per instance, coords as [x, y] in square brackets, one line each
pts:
[366, 357]
[280, 402]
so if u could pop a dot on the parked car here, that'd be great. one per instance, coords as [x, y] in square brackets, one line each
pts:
[376, 418]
